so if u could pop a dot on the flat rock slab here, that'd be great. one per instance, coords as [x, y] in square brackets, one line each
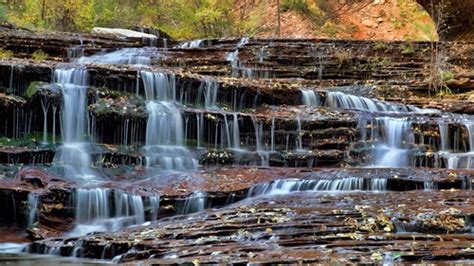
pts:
[122, 33]
[300, 227]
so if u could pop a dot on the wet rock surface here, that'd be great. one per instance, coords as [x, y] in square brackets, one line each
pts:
[236, 150]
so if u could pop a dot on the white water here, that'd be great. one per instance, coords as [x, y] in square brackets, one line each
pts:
[341, 100]
[159, 86]
[286, 186]
[32, 208]
[73, 153]
[164, 143]
[394, 151]
[125, 56]
[310, 98]
[105, 210]
[194, 203]
[190, 44]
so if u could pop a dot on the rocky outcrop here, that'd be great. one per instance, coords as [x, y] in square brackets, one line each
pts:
[454, 17]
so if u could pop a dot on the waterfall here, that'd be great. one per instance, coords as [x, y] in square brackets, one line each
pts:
[32, 208]
[103, 209]
[470, 131]
[45, 106]
[310, 98]
[73, 153]
[341, 100]
[190, 44]
[259, 148]
[394, 151]
[233, 58]
[449, 147]
[211, 88]
[159, 86]
[235, 132]
[261, 54]
[165, 127]
[194, 203]
[285, 186]
[125, 56]
[444, 136]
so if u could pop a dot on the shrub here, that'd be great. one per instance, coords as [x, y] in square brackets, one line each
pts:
[39, 55]
[4, 53]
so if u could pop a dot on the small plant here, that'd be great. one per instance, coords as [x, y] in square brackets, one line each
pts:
[39, 55]
[5, 54]
[343, 56]
[381, 46]
[294, 5]
[447, 75]
[407, 49]
[32, 89]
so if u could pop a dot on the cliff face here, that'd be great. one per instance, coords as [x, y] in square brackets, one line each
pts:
[454, 17]
[340, 19]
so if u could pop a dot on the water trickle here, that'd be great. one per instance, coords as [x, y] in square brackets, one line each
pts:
[32, 208]
[210, 98]
[235, 132]
[75, 52]
[310, 98]
[233, 58]
[45, 107]
[190, 44]
[194, 203]
[259, 148]
[261, 54]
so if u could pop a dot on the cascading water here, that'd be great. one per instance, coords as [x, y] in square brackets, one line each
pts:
[341, 100]
[286, 186]
[165, 128]
[191, 44]
[310, 98]
[125, 56]
[394, 151]
[164, 138]
[194, 203]
[73, 153]
[32, 208]
[233, 58]
[104, 210]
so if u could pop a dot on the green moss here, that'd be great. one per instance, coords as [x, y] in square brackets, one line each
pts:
[447, 75]
[39, 55]
[5, 54]
[32, 89]
[381, 46]
[29, 140]
[407, 49]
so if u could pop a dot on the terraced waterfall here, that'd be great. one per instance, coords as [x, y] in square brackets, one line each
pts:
[234, 150]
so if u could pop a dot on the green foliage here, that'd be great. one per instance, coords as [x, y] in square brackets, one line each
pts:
[447, 75]
[39, 55]
[3, 14]
[379, 61]
[294, 5]
[407, 49]
[5, 54]
[32, 89]
[29, 140]
[381, 46]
